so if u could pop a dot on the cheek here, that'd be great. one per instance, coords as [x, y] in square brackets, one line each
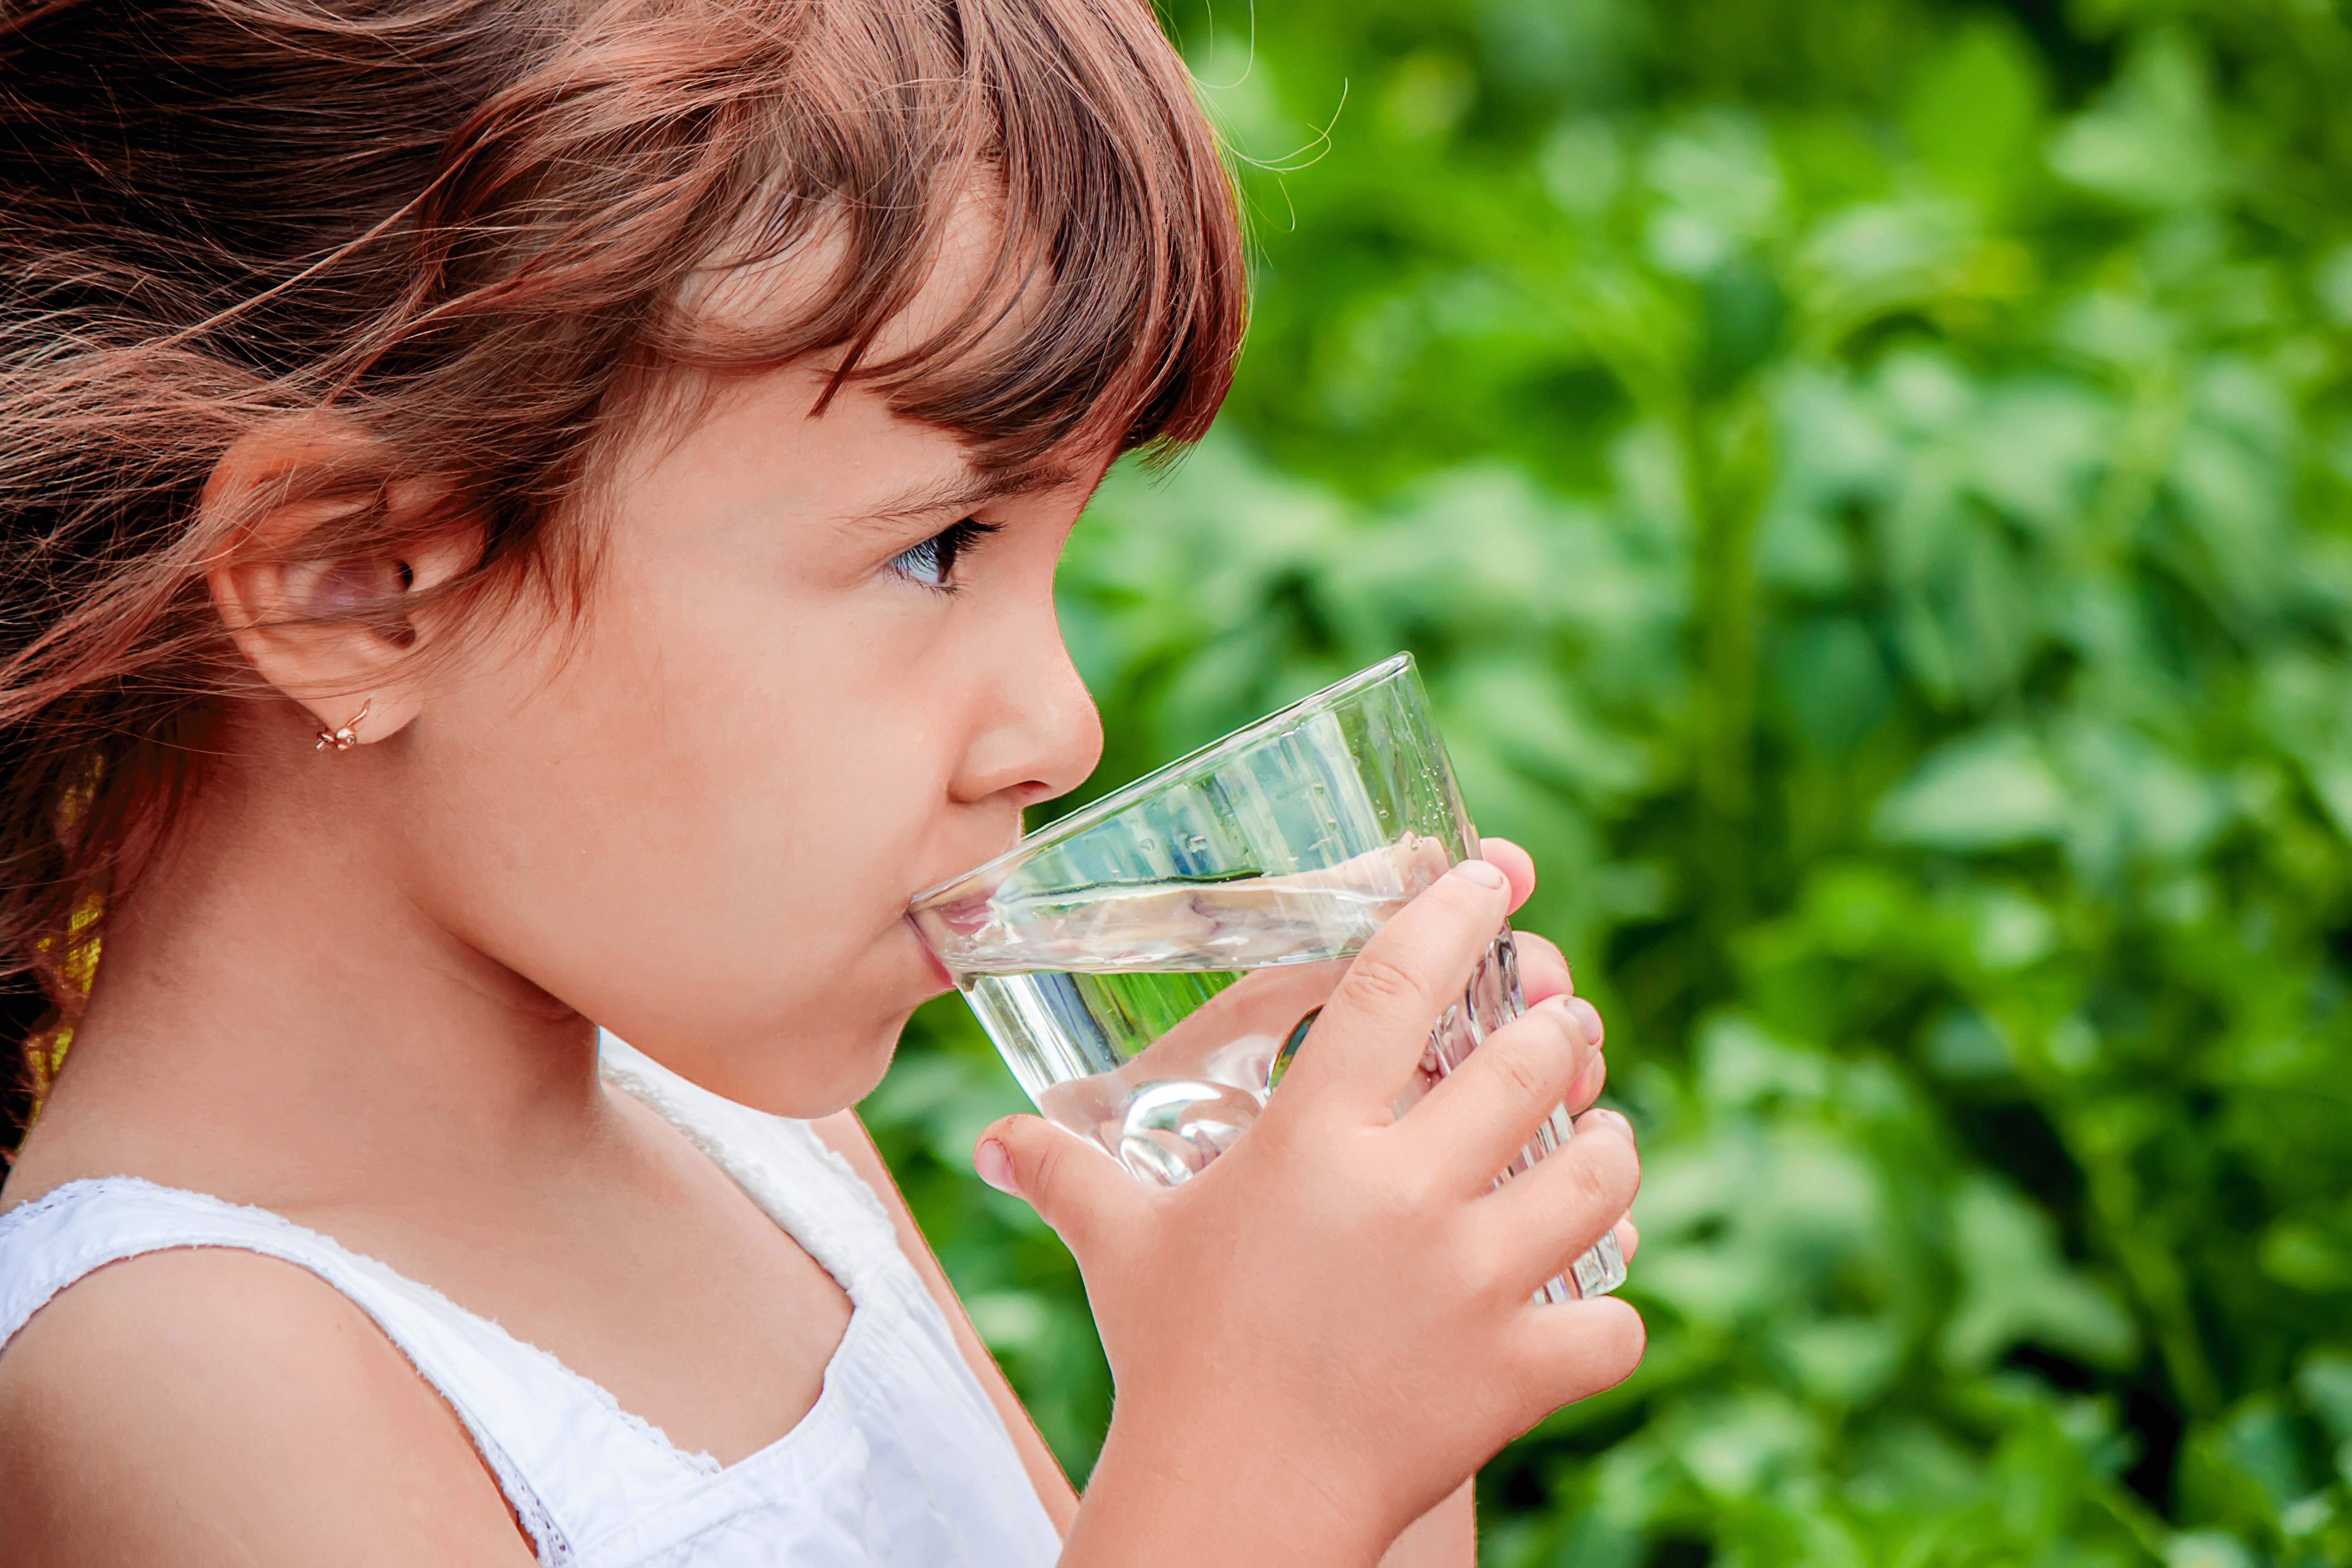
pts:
[701, 830]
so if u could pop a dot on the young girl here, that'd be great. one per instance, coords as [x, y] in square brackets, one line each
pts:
[527, 515]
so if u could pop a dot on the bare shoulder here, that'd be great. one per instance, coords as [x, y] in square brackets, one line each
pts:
[206, 1405]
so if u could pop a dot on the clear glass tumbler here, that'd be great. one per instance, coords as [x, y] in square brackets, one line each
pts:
[1149, 966]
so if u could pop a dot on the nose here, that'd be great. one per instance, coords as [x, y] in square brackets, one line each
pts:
[1041, 736]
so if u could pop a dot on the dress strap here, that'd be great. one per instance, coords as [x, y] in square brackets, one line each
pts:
[71, 1231]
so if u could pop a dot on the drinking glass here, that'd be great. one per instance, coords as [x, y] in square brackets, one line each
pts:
[1149, 965]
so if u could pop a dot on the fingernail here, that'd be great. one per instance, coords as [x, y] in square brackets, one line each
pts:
[1480, 872]
[1603, 1113]
[994, 1163]
[1590, 1016]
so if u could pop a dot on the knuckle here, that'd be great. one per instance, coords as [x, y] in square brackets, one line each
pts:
[1592, 1179]
[1419, 1189]
[1379, 982]
[1539, 1054]
[1527, 1071]
[1044, 1162]
[1485, 1272]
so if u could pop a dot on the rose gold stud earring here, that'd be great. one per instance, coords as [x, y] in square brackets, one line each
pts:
[344, 739]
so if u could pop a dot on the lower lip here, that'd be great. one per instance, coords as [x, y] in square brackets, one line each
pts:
[930, 960]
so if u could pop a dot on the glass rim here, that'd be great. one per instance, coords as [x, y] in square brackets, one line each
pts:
[1252, 733]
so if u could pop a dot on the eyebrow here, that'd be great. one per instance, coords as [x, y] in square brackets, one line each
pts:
[964, 493]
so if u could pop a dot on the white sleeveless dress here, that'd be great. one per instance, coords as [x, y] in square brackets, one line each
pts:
[902, 1460]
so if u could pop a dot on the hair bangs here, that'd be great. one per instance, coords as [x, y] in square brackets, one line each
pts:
[1111, 294]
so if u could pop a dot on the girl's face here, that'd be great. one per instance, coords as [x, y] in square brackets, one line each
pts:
[820, 671]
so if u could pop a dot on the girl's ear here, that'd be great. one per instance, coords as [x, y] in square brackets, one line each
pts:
[274, 596]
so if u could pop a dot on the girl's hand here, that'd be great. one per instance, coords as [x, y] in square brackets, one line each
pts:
[1326, 1331]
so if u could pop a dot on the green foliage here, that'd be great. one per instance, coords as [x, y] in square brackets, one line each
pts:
[1871, 485]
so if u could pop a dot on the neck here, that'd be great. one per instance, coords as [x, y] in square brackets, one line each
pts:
[278, 1018]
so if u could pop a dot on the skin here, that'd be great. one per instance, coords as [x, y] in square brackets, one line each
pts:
[356, 989]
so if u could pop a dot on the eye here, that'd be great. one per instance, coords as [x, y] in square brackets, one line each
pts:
[933, 563]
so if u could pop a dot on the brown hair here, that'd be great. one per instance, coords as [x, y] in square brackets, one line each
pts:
[468, 225]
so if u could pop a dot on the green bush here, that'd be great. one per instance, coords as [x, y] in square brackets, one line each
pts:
[1868, 482]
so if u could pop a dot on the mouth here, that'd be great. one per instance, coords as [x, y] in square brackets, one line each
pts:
[938, 971]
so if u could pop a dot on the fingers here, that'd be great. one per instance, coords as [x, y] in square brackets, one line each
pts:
[1480, 1116]
[1372, 1031]
[1544, 974]
[1591, 1081]
[1551, 1214]
[1074, 1186]
[1513, 862]
[1574, 1350]
[1629, 1239]
[1543, 969]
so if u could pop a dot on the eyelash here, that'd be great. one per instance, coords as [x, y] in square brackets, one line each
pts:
[937, 556]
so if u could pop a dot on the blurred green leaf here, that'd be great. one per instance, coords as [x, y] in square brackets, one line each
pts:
[2015, 1287]
[1975, 109]
[2149, 140]
[1991, 791]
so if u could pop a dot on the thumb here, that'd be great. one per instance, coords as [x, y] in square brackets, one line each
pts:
[1074, 1187]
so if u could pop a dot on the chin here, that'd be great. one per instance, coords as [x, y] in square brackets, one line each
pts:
[861, 1067]
[779, 1065]
[808, 1077]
